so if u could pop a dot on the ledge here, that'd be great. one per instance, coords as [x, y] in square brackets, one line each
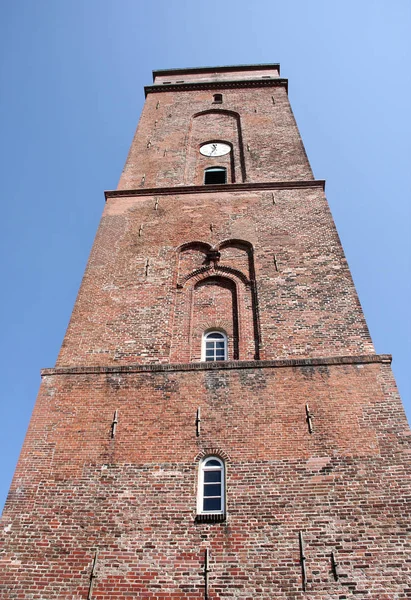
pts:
[210, 518]
[216, 85]
[219, 188]
[221, 366]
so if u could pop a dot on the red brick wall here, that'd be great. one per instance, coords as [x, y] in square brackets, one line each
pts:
[308, 307]
[134, 496]
[271, 144]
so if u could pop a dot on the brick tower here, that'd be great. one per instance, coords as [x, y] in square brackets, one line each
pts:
[218, 424]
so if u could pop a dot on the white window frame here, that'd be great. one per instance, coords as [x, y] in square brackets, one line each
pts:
[208, 334]
[200, 496]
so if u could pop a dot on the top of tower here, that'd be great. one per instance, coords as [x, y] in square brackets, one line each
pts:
[221, 73]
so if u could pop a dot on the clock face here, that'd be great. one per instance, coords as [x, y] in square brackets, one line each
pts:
[215, 149]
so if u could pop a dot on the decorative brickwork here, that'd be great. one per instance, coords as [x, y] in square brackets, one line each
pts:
[304, 414]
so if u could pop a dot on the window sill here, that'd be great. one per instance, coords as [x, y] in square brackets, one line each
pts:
[210, 518]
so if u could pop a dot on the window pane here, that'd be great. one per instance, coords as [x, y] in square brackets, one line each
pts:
[209, 352]
[212, 462]
[220, 357]
[216, 336]
[212, 476]
[212, 504]
[220, 344]
[212, 489]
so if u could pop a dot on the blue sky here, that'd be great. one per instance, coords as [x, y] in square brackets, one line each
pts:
[72, 75]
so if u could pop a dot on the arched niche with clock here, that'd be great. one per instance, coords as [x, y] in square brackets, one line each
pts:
[215, 149]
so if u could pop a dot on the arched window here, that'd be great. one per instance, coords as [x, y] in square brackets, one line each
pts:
[211, 486]
[218, 98]
[214, 175]
[214, 346]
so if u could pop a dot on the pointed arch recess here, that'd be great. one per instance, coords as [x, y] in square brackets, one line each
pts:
[234, 292]
[214, 270]
[215, 301]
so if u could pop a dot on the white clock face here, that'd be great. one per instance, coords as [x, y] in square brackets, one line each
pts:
[215, 149]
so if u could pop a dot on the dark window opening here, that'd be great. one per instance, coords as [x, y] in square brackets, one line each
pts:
[215, 175]
[166, 82]
[218, 98]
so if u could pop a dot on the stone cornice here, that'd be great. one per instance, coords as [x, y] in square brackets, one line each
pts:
[206, 189]
[216, 85]
[221, 366]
